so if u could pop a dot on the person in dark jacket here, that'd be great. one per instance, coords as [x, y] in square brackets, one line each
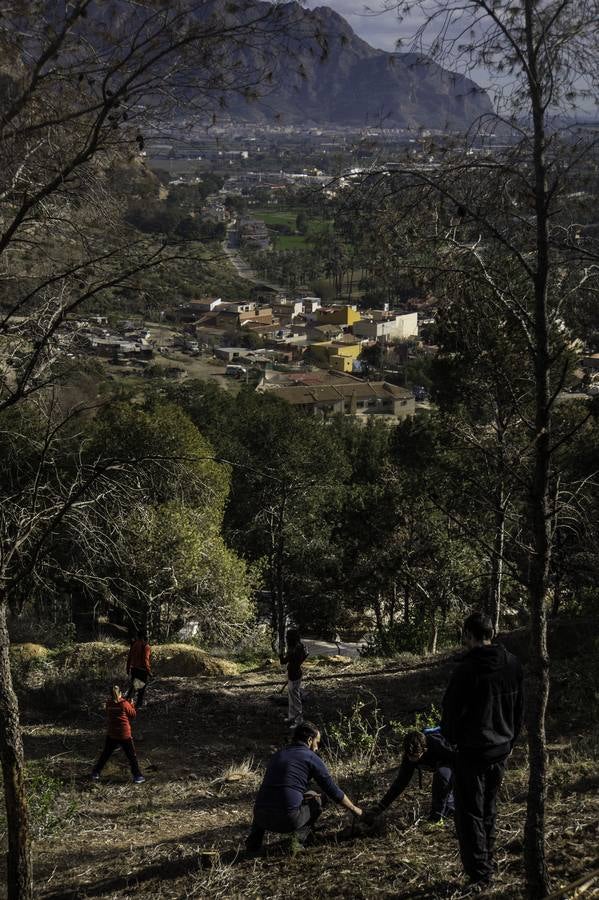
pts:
[283, 803]
[138, 668]
[119, 712]
[482, 715]
[293, 659]
[429, 750]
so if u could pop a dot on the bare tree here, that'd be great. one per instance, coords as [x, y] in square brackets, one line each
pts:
[82, 83]
[497, 211]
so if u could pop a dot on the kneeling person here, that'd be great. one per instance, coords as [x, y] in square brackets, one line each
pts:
[283, 803]
[428, 750]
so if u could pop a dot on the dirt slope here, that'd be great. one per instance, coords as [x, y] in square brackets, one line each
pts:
[180, 834]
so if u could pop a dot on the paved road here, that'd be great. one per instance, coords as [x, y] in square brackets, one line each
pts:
[330, 648]
[243, 269]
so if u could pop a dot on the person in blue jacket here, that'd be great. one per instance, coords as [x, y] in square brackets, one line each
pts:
[283, 803]
[428, 750]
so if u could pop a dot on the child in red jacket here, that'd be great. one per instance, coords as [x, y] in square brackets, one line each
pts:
[119, 712]
[138, 668]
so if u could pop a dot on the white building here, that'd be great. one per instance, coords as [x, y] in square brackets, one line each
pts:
[286, 310]
[395, 328]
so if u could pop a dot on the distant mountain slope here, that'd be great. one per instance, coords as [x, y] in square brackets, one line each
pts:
[323, 73]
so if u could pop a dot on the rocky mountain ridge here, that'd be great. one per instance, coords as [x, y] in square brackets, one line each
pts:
[322, 73]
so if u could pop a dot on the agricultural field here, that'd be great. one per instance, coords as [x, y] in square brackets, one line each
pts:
[288, 218]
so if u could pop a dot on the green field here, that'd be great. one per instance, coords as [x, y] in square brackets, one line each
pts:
[276, 217]
[288, 217]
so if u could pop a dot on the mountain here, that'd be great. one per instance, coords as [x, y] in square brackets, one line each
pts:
[322, 73]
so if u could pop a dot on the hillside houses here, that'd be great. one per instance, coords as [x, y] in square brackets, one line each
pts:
[352, 397]
[126, 342]
[378, 325]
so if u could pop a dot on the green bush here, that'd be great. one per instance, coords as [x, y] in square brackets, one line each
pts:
[398, 638]
[46, 812]
[42, 795]
[357, 736]
[429, 718]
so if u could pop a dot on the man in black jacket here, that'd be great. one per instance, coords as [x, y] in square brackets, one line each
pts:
[482, 715]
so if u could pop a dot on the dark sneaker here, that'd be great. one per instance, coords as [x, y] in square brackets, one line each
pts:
[139, 779]
[95, 776]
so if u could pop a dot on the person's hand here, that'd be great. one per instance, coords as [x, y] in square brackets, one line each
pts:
[357, 811]
[372, 814]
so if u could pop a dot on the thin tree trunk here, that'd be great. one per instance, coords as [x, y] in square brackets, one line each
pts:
[434, 634]
[393, 604]
[18, 857]
[380, 625]
[496, 580]
[537, 878]
[537, 695]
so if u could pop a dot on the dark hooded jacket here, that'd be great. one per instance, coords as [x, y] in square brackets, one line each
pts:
[483, 704]
[438, 753]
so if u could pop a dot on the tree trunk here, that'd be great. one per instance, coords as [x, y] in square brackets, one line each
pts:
[496, 580]
[393, 604]
[380, 625]
[537, 878]
[434, 634]
[18, 857]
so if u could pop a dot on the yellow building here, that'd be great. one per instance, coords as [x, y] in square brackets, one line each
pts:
[342, 356]
[337, 315]
[331, 355]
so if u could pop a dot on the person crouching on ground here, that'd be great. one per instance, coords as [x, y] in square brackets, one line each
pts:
[138, 668]
[293, 658]
[283, 803]
[119, 712]
[424, 750]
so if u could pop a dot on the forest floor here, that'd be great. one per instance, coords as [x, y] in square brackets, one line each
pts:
[203, 743]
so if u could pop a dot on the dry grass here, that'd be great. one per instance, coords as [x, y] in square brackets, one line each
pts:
[107, 660]
[202, 744]
[246, 771]
[184, 659]
[26, 653]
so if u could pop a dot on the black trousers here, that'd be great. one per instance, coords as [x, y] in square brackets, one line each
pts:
[300, 822]
[110, 746]
[442, 801]
[141, 675]
[476, 785]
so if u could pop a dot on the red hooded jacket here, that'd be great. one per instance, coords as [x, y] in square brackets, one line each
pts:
[119, 713]
[139, 656]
